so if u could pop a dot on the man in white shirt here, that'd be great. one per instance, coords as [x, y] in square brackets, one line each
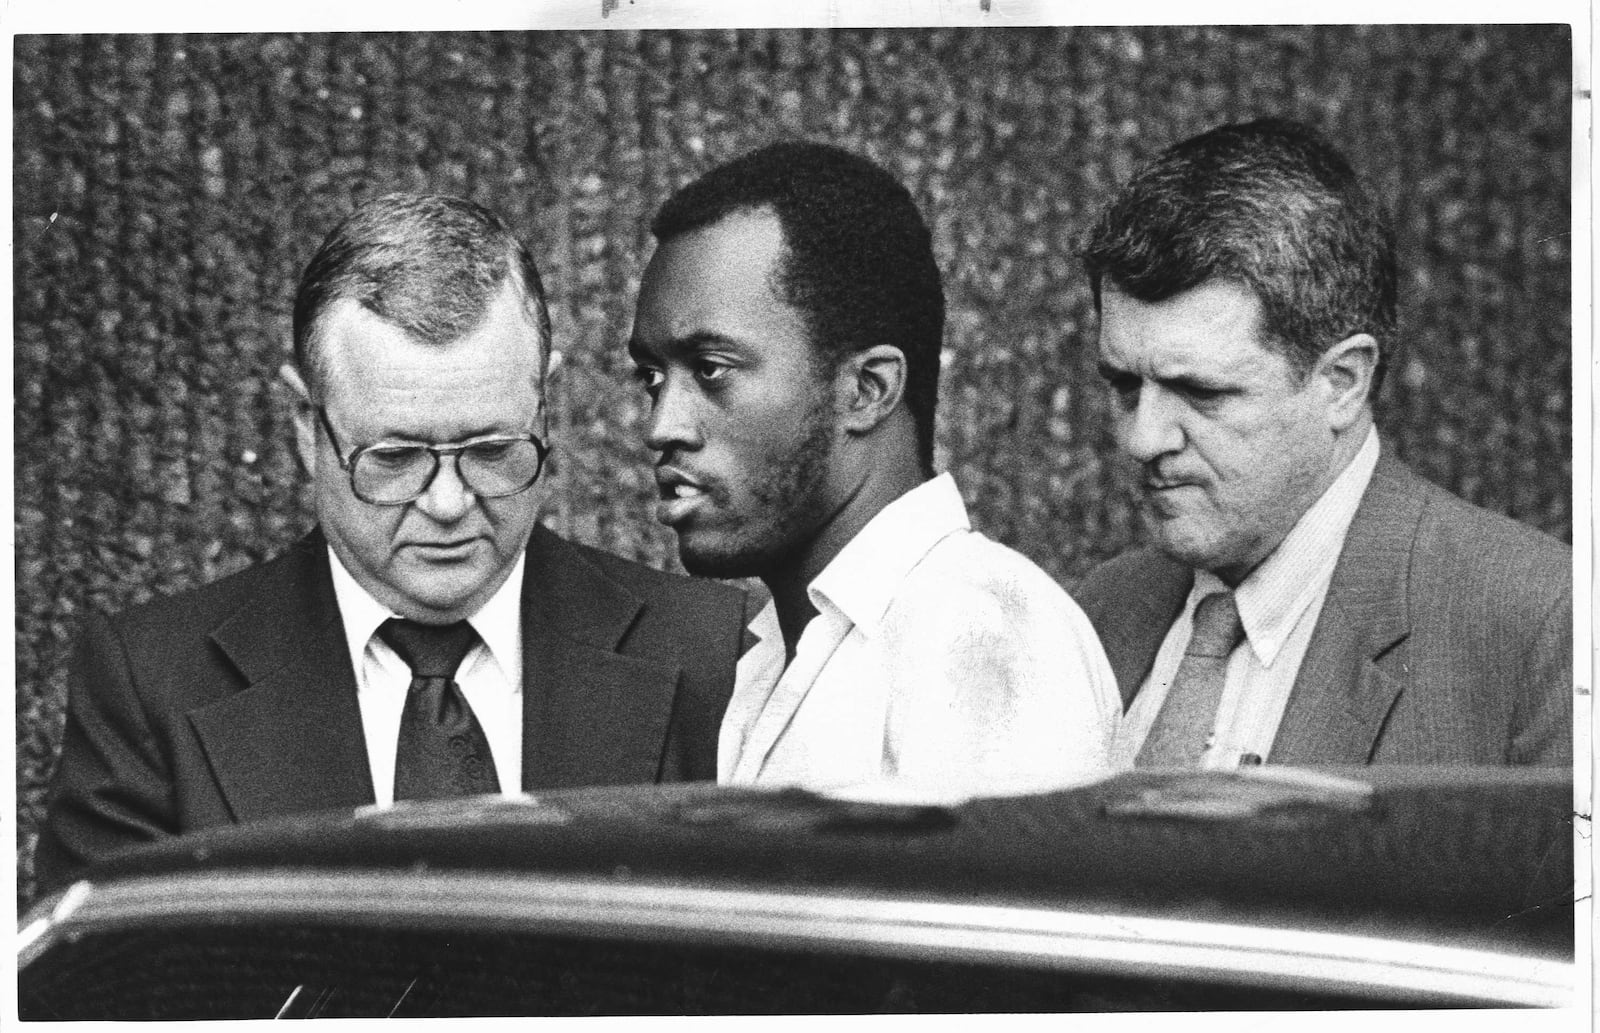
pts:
[1306, 599]
[788, 333]
[428, 639]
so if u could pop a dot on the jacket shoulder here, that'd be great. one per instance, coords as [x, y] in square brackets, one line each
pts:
[202, 607]
[1134, 574]
[1496, 541]
[695, 597]
[1484, 603]
[1461, 548]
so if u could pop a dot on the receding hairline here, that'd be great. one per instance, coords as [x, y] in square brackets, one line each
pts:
[318, 358]
[316, 366]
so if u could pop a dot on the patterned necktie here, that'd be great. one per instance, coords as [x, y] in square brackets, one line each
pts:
[1183, 726]
[442, 750]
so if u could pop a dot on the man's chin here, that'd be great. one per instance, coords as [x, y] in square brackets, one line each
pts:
[447, 594]
[710, 556]
[1191, 547]
[436, 609]
[722, 566]
[1182, 540]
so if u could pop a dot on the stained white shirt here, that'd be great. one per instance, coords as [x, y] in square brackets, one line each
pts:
[490, 677]
[936, 655]
[1279, 604]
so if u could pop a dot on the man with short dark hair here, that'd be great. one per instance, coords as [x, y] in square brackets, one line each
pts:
[788, 334]
[1307, 599]
[428, 639]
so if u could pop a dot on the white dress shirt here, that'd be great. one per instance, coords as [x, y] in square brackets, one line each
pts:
[490, 677]
[936, 655]
[1279, 604]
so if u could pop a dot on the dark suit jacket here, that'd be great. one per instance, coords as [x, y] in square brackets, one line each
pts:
[237, 701]
[1446, 637]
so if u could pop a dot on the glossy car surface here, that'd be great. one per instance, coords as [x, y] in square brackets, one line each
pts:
[1152, 891]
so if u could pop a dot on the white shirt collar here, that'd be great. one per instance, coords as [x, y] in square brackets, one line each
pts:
[1275, 595]
[862, 580]
[498, 622]
[767, 631]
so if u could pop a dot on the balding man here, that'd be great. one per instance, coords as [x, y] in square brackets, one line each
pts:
[428, 639]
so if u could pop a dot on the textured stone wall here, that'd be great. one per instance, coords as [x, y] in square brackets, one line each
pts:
[168, 189]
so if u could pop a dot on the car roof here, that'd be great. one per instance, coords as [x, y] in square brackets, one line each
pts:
[1414, 885]
[1480, 852]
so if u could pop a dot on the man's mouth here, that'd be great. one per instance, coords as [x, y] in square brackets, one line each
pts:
[680, 495]
[444, 551]
[1155, 477]
[1164, 496]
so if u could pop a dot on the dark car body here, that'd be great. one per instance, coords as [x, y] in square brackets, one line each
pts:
[1271, 888]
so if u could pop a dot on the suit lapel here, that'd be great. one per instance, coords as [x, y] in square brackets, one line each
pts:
[292, 739]
[1342, 696]
[591, 716]
[1155, 592]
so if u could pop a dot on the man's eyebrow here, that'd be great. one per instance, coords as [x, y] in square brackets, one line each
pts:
[1183, 378]
[406, 438]
[694, 341]
[1195, 380]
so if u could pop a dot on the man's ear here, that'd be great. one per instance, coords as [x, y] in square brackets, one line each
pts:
[1345, 372]
[554, 372]
[305, 427]
[869, 385]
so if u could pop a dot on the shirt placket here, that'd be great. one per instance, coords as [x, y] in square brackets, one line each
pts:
[816, 648]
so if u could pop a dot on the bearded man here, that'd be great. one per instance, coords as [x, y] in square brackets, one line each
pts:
[788, 334]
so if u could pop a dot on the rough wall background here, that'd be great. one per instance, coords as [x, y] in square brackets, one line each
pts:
[168, 189]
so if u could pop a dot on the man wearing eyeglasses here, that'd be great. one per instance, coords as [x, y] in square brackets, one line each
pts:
[428, 639]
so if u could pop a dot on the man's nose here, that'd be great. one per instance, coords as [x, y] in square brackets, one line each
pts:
[1151, 428]
[448, 498]
[674, 420]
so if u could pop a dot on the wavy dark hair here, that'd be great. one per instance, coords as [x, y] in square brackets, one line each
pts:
[1269, 204]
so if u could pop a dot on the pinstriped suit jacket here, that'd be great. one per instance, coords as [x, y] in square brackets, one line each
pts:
[1446, 637]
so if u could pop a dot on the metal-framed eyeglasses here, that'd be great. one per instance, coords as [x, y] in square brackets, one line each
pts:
[392, 475]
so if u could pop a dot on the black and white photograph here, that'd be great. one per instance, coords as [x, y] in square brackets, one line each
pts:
[642, 508]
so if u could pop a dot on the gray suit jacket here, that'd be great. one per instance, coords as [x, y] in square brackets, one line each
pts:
[1446, 637]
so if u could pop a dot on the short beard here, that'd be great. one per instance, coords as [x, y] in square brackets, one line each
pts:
[787, 492]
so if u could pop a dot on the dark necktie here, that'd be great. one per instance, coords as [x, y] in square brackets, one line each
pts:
[442, 750]
[1183, 725]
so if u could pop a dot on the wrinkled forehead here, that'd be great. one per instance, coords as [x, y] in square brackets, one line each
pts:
[352, 344]
[387, 385]
[1217, 324]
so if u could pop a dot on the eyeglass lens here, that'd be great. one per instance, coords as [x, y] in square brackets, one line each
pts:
[490, 469]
